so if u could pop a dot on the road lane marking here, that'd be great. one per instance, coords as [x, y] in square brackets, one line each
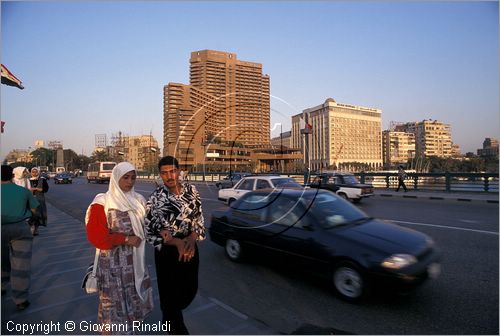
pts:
[213, 200]
[68, 270]
[228, 308]
[443, 227]
[146, 191]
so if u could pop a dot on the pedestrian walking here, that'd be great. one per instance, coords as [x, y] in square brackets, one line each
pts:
[115, 225]
[39, 187]
[21, 177]
[18, 205]
[401, 179]
[174, 222]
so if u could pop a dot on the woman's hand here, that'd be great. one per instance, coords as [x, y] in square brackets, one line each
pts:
[133, 241]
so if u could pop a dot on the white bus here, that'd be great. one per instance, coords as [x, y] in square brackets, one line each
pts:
[100, 172]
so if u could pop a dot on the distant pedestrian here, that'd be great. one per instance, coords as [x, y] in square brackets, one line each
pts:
[39, 187]
[174, 223]
[115, 225]
[18, 205]
[401, 178]
[21, 177]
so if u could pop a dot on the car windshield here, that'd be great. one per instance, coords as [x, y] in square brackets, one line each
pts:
[331, 211]
[350, 179]
[285, 182]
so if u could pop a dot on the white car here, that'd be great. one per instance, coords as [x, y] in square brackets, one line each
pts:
[345, 185]
[256, 182]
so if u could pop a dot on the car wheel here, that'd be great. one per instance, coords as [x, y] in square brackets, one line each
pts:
[344, 196]
[348, 282]
[233, 250]
[230, 201]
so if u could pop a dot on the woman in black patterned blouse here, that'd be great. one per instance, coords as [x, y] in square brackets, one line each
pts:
[174, 222]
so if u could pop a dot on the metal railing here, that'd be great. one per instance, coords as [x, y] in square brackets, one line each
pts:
[449, 182]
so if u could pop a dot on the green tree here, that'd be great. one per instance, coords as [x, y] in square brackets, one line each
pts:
[42, 157]
[100, 156]
[84, 162]
[71, 160]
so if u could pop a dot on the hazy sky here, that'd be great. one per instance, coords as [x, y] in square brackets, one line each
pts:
[91, 68]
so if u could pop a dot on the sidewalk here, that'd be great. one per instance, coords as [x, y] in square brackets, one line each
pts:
[61, 254]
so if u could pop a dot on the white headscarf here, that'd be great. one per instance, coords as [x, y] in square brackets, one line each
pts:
[133, 203]
[20, 179]
[31, 171]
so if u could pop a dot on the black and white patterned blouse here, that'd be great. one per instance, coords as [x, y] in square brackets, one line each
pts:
[179, 214]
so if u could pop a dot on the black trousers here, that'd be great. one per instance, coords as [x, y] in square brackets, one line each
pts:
[401, 183]
[177, 286]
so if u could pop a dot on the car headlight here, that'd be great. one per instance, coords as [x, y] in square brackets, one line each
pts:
[398, 261]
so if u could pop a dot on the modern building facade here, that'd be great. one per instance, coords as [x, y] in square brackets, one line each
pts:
[432, 137]
[142, 151]
[190, 120]
[242, 93]
[284, 140]
[343, 136]
[18, 155]
[398, 147]
[490, 148]
[222, 113]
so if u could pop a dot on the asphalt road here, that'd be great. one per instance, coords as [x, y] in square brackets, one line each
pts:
[463, 300]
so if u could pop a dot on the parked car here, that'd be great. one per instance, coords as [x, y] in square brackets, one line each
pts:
[343, 184]
[318, 232]
[230, 180]
[63, 178]
[256, 182]
[45, 175]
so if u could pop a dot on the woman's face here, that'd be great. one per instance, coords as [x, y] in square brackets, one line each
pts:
[34, 172]
[127, 181]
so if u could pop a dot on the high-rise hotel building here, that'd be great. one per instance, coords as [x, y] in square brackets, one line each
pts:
[227, 101]
[342, 135]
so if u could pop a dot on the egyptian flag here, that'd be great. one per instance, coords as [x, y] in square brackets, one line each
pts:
[8, 78]
[305, 127]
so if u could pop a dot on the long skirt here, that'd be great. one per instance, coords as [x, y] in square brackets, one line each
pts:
[119, 303]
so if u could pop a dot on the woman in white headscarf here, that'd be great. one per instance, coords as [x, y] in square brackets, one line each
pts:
[115, 225]
[39, 187]
[21, 177]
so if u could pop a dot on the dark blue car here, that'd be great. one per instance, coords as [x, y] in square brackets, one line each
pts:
[63, 178]
[318, 232]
